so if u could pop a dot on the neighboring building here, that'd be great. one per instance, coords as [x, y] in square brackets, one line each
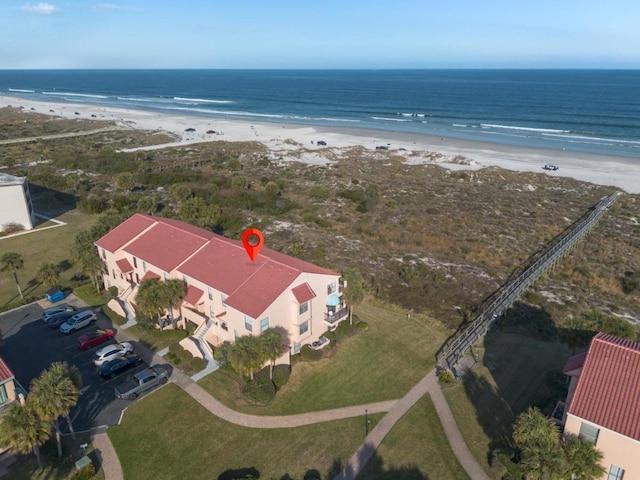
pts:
[604, 403]
[9, 386]
[15, 202]
[228, 295]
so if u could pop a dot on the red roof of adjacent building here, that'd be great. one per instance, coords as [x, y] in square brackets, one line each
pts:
[125, 232]
[213, 260]
[124, 265]
[577, 361]
[5, 372]
[608, 388]
[193, 295]
[303, 293]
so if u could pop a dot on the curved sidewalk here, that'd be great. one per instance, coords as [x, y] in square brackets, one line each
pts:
[108, 456]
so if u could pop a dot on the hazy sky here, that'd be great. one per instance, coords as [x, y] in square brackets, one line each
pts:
[320, 34]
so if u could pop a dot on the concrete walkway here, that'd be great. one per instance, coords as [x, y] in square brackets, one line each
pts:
[108, 456]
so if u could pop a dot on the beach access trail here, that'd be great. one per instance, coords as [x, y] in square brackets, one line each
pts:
[11, 141]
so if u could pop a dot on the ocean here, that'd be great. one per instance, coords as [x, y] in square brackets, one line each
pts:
[595, 111]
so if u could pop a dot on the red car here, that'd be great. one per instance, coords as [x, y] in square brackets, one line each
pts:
[92, 339]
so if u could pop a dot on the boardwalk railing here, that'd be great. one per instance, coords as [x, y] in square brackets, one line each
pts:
[502, 299]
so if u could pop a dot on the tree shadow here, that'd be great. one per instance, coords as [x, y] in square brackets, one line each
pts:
[375, 468]
[238, 473]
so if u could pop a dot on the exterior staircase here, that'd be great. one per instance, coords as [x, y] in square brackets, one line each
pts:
[128, 308]
[207, 353]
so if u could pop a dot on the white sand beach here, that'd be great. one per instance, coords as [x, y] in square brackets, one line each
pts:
[300, 143]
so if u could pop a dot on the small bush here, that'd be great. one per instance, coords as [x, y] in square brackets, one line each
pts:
[281, 374]
[113, 292]
[308, 354]
[259, 394]
[196, 364]
[445, 376]
[362, 325]
[330, 335]
[12, 227]
[262, 377]
[85, 473]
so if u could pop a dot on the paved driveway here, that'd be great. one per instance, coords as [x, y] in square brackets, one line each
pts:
[31, 346]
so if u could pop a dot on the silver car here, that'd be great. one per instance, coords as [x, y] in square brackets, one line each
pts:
[111, 352]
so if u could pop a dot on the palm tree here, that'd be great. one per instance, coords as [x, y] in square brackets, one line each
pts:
[246, 356]
[174, 292]
[354, 293]
[12, 262]
[272, 347]
[48, 274]
[23, 431]
[64, 370]
[149, 299]
[93, 267]
[52, 395]
[538, 439]
[583, 459]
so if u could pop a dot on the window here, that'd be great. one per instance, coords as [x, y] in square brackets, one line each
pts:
[144, 266]
[589, 433]
[165, 275]
[104, 254]
[296, 347]
[264, 324]
[210, 291]
[615, 473]
[235, 334]
[331, 288]
[3, 395]
[224, 297]
[211, 312]
[304, 307]
[135, 262]
[224, 326]
[304, 328]
[248, 324]
[114, 273]
[184, 279]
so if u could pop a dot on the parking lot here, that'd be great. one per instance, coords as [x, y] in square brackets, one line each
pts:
[31, 346]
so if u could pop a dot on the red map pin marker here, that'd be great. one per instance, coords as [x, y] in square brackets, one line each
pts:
[252, 247]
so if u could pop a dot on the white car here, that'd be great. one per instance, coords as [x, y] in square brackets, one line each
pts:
[50, 312]
[111, 352]
[79, 320]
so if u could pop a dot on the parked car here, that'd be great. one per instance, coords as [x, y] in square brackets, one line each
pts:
[50, 312]
[111, 352]
[114, 367]
[95, 338]
[142, 381]
[78, 321]
[322, 143]
[550, 166]
[56, 320]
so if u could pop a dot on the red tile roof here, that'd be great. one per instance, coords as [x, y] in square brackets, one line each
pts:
[5, 372]
[577, 361]
[124, 265]
[193, 295]
[607, 391]
[213, 260]
[165, 246]
[125, 232]
[149, 275]
[303, 293]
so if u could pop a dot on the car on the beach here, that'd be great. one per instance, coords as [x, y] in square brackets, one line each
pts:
[322, 143]
[382, 147]
[190, 130]
[550, 166]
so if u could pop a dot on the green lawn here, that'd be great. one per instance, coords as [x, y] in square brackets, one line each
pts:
[516, 371]
[38, 247]
[168, 435]
[415, 449]
[381, 363]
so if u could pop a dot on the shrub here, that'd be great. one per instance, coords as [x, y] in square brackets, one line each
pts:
[85, 473]
[308, 354]
[330, 335]
[445, 376]
[262, 377]
[362, 325]
[12, 227]
[281, 374]
[222, 353]
[259, 394]
[196, 364]
[320, 192]
[92, 205]
[631, 282]
[113, 292]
